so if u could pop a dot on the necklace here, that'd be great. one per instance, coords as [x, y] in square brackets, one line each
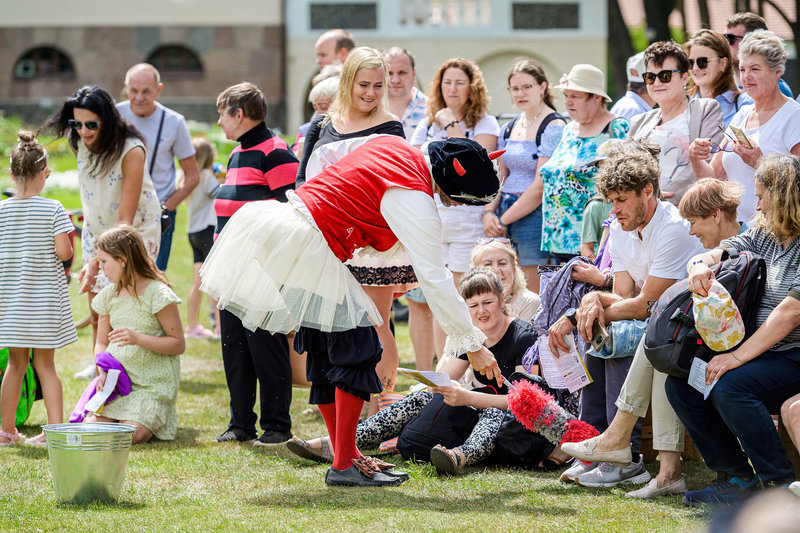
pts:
[528, 123]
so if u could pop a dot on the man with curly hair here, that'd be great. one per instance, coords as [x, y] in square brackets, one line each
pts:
[650, 246]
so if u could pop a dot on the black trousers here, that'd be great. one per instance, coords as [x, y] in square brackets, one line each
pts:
[256, 355]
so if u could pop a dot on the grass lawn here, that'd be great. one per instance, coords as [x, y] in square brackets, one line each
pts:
[194, 484]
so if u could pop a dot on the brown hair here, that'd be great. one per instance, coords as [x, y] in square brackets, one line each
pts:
[660, 51]
[532, 68]
[479, 281]
[631, 164]
[204, 152]
[477, 99]
[244, 96]
[124, 243]
[716, 42]
[780, 175]
[750, 21]
[28, 158]
[709, 194]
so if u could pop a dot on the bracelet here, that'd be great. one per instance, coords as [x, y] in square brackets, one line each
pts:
[485, 212]
[608, 283]
[502, 223]
[740, 361]
[454, 123]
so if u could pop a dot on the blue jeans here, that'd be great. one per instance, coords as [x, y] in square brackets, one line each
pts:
[166, 244]
[525, 233]
[738, 411]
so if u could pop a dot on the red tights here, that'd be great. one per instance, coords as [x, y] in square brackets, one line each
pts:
[341, 419]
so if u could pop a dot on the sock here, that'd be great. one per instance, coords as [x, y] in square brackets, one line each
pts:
[328, 411]
[348, 410]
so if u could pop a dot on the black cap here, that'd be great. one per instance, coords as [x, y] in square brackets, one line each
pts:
[463, 171]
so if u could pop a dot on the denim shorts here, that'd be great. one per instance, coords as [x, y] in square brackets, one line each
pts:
[525, 234]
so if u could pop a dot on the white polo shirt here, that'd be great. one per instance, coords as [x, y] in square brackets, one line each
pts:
[662, 250]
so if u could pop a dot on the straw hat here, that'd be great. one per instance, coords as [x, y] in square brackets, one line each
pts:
[584, 78]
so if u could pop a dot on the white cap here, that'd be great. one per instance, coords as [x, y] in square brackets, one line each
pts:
[636, 68]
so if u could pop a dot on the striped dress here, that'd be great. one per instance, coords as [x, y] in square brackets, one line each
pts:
[34, 302]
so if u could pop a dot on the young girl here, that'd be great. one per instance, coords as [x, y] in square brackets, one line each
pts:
[34, 303]
[202, 221]
[140, 326]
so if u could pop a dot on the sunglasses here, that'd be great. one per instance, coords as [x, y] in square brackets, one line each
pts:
[732, 38]
[665, 76]
[702, 62]
[487, 240]
[91, 125]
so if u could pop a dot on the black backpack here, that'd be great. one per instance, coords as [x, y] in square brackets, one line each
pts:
[506, 133]
[671, 340]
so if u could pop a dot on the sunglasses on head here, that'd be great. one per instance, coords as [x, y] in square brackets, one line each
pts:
[487, 240]
[665, 76]
[702, 62]
[91, 125]
[732, 38]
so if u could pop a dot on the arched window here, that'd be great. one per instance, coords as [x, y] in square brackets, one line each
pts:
[175, 60]
[44, 62]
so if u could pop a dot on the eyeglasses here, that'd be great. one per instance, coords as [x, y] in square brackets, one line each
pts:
[665, 76]
[717, 148]
[46, 170]
[732, 38]
[522, 89]
[727, 135]
[702, 62]
[487, 240]
[91, 125]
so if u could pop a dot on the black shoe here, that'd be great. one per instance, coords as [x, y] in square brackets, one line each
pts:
[273, 438]
[399, 474]
[235, 434]
[352, 477]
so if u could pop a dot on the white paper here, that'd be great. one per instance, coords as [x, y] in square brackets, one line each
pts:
[100, 397]
[567, 371]
[697, 377]
[428, 377]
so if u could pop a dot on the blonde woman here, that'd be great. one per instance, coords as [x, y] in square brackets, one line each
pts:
[497, 254]
[360, 110]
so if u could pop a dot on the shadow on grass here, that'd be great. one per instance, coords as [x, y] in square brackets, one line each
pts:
[102, 506]
[334, 498]
[199, 387]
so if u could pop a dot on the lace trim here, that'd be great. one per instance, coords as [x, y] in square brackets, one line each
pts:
[469, 342]
[395, 251]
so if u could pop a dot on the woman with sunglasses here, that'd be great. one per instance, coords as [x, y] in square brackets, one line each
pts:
[529, 139]
[771, 125]
[115, 185]
[711, 73]
[677, 121]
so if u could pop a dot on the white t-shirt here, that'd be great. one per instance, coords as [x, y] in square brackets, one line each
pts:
[487, 125]
[662, 251]
[175, 142]
[777, 135]
[201, 203]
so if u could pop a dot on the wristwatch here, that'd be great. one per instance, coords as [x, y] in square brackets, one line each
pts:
[570, 314]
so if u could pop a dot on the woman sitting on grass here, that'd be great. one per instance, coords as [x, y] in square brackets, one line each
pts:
[508, 339]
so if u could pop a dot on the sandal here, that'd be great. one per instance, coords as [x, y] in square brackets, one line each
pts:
[13, 438]
[39, 440]
[303, 448]
[447, 461]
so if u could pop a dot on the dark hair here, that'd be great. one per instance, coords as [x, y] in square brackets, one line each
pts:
[114, 130]
[480, 281]
[124, 243]
[244, 96]
[534, 69]
[477, 98]
[658, 52]
[716, 42]
[750, 21]
[28, 158]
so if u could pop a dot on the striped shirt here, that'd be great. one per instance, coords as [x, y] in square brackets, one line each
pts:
[34, 303]
[783, 276]
[261, 168]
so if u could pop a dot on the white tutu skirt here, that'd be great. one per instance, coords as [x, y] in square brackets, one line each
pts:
[272, 268]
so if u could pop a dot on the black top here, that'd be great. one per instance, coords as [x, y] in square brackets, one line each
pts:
[508, 351]
[319, 136]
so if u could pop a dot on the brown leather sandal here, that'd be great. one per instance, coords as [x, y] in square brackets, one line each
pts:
[447, 461]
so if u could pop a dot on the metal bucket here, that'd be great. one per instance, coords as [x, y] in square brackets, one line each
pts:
[88, 460]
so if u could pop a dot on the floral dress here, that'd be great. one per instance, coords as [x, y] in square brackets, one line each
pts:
[100, 197]
[154, 376]
[569, 184]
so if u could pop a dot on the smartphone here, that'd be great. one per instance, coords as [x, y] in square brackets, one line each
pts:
[599, 335]
[741, 137]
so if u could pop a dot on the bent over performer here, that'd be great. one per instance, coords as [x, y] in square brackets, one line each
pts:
[281, 266]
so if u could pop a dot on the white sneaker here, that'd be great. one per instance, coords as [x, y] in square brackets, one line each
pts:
[90, 372]
[608, 475]
[794, 486]
[571, 474]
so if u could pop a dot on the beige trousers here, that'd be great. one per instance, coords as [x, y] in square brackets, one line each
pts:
[643, 383]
